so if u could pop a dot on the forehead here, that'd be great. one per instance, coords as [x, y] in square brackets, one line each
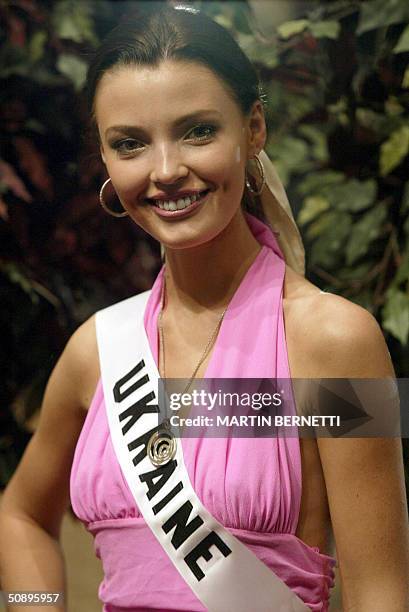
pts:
[163, 92]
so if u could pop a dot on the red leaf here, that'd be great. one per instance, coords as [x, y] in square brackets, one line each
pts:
[34, 164]
[17, 31]
[13, 182]
[3, 210]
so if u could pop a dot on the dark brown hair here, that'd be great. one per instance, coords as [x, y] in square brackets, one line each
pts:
[158, 31]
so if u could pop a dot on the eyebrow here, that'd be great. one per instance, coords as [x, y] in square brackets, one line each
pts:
[135, 129]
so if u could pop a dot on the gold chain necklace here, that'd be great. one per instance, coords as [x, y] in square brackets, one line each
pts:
[208, 345]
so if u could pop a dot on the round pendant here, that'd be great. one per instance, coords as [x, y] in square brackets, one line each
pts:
[161, 447]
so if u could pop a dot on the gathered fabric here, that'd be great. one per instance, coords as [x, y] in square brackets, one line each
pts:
[251, 485]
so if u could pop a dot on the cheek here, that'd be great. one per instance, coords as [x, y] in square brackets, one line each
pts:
[127, 177]
[227, 166]
[234, 181]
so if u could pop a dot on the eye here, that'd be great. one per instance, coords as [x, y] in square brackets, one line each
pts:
[127, 145]
[202, 132]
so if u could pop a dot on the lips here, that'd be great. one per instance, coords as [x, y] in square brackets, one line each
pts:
[177, 202]
[187, 209]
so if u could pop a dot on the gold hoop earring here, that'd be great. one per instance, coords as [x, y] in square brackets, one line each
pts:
[262, 174]
[113, 213]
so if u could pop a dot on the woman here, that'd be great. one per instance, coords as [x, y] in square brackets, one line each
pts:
[179, 119]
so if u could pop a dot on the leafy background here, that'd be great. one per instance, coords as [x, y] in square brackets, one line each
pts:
[336, 82]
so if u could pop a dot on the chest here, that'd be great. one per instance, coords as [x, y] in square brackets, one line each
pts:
[187, 348]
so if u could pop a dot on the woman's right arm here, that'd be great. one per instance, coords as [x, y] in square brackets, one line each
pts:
[34, 502]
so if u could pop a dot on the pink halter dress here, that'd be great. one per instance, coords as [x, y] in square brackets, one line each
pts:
[252, 486]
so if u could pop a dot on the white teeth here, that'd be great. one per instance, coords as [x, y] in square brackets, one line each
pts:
[179, 204]
[182, 203]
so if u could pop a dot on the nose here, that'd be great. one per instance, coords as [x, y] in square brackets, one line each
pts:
[168, 167]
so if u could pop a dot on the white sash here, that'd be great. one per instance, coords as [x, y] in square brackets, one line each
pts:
[222, 572]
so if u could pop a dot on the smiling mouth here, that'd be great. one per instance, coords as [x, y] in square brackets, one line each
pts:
[179, 204]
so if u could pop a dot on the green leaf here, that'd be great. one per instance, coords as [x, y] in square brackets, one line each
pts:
[405, 198]
[35, 126]
[352, 195]
[318, 139]
[312, 207]
[74, 68]
[392, 107]
[382, 125]
[364, 232]
[36, 46]
[73, 20]
[331, 231]
[257, 52]
[403, 43]
[241, 17]
[357, 272]
[324, 29]
[343, 195]
[47, 78]
[405, 80]
[17, 276]
[380, 13]
[313, 182]
[318, 227]
[13, 60]
[395, 314]
[371, 120]
[402, 273]
[224, 21]
[339, 111]
[289, 28]
[297, 106]
[394, 150]
[289, 150]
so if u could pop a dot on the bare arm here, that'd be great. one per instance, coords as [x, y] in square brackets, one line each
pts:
[364, 476]
[37, 496]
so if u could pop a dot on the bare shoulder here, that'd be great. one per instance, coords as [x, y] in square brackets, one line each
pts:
[342, 338]
[80, 359]
[333, 337]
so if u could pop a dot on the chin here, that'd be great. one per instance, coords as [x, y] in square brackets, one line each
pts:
[186, 233]
[195, 240]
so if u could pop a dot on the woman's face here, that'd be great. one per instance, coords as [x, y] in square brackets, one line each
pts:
[173, 137]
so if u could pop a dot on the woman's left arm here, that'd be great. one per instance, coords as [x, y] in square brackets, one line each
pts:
[364, 476]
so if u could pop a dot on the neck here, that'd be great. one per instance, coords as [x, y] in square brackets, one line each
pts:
[205, 277]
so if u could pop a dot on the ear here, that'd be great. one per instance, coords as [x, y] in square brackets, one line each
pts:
[257, 131]
[101, 150]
